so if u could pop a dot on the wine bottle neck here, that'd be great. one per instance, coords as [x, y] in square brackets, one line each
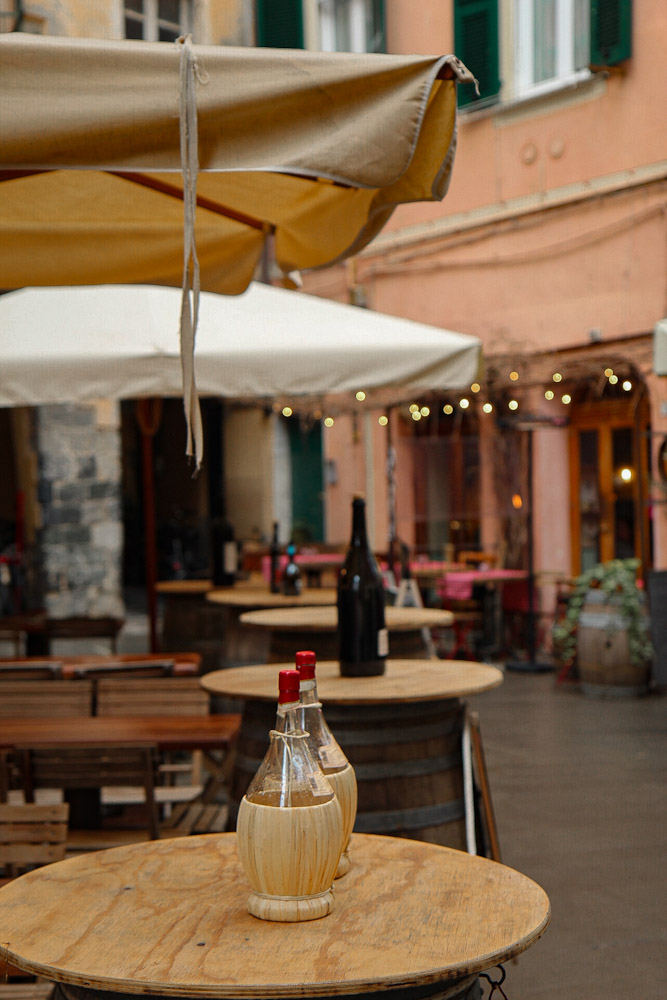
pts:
[359, 536]
[308, 692]
[287, 717]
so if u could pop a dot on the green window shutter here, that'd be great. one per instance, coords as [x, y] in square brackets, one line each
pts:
[279, 24]
[476, 45]
[611, 31]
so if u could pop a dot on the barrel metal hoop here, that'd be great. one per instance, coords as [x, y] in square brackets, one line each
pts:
[407, 768]
[374, 737]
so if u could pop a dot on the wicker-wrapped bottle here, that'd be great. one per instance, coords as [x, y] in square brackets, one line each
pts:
[290, 824]
[322, 742]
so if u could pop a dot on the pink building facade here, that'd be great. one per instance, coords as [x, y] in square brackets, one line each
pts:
[550, 246]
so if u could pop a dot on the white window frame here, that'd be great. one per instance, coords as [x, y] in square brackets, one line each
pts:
[524, 50]
[356, 22]
[151, 20]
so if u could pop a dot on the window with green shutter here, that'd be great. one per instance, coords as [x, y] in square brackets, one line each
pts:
[611, 31]
[279, 24]
[476, 44]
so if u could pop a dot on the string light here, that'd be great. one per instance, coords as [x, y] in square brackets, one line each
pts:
[416, 415]
[514, 376]
[488, 408]
[549, 394]
[361, 395]
[448, 408]
[287, 411]
[627, 385]
[328, 421]
[464, 403]
[557, 377]
[317, 415]
[609, 372]
[513, 404]
[383, 421]
[613, 379]
[566, 398]
[413, 407]
[517, 502]
[425, 411]
[626, 475]
[475, 387]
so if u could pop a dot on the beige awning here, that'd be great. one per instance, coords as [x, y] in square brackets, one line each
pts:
[100, 142]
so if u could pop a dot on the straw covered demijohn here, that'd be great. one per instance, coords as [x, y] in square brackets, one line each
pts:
[290, 824]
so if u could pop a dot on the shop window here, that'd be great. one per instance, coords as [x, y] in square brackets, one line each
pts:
[157, 20]
[351, 25]
[279, 25]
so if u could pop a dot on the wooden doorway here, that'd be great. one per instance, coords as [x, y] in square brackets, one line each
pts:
[609, 482]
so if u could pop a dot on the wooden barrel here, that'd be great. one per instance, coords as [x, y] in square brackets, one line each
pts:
[407, 758]
[603, 651]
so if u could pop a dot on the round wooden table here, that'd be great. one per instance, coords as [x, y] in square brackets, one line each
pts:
[168, 918]
[302, 627]
[402, 732]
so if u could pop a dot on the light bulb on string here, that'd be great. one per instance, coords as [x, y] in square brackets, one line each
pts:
[627, 385]
[609, 372]
[557, 377]
[613, 379]
[566, 398]
[464, 403]
[287, 411]
[448, 408]
[416, 415]
[513, 404]
[413, 407]
[383, 420]
[328, 421]
[514, 376]
[549, 394]
[475, 387]
[361, 395]
[488, 408]
[425, 411]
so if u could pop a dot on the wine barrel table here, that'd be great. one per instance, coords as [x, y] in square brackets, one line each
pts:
[168, 919]
[317, 628]
[402, 732]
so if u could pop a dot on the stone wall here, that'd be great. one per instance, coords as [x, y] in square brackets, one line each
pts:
[79, 491]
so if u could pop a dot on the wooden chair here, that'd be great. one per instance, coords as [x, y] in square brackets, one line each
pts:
[93, 767]
[31, 835]
[151, 696]
[84, 628]
[30, 670]
[157, 696]
[44, 699]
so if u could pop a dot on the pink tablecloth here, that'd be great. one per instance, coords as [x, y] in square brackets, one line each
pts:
[458, 585]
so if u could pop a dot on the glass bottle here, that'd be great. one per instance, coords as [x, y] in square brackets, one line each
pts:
[322, 742]
[225, 553]
[290, 824]
[292, 582]
[275, 561]
[362, 635]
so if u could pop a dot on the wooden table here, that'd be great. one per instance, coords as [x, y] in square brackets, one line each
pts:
[208, 733]
[459, 584]
[402, 732]
[168, 918]
[298, 628]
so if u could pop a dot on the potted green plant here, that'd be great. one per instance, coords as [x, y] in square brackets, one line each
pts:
[606, 627]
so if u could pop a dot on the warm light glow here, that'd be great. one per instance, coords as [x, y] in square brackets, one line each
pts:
[416, 415]
[609, 372]
[549, 394]
[317, 415]
[475, 387]
[513, 404]
[557, 377]
[627, 385]
[361, 395]
[383, 421]
[464, 403]
[287, 411]
[566, 398]
[328, 421]
[448, 408]
[514, 376]
[517, 502]
[488, 408]
[413, 407]
[626, 475]
[425, 411]
[613, 379]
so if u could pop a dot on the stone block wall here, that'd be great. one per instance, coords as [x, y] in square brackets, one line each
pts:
[79, 491]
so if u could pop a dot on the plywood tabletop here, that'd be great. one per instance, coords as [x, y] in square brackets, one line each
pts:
[403, 680]
[317, 619]
[169, 918]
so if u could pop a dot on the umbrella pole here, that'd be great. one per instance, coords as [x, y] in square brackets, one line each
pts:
[148, 417]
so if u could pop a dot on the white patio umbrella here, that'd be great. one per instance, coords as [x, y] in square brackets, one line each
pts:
[74, 344]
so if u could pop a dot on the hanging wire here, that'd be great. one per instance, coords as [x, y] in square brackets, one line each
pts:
[496, 984]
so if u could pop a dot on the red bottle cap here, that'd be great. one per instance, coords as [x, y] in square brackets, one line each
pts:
[305, 661]
[288, 686]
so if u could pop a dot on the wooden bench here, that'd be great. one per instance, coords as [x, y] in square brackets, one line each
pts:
[151, 696]
[44, 699]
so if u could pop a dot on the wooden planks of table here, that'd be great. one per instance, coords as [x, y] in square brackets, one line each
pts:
[168, 732]
[168, 918]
